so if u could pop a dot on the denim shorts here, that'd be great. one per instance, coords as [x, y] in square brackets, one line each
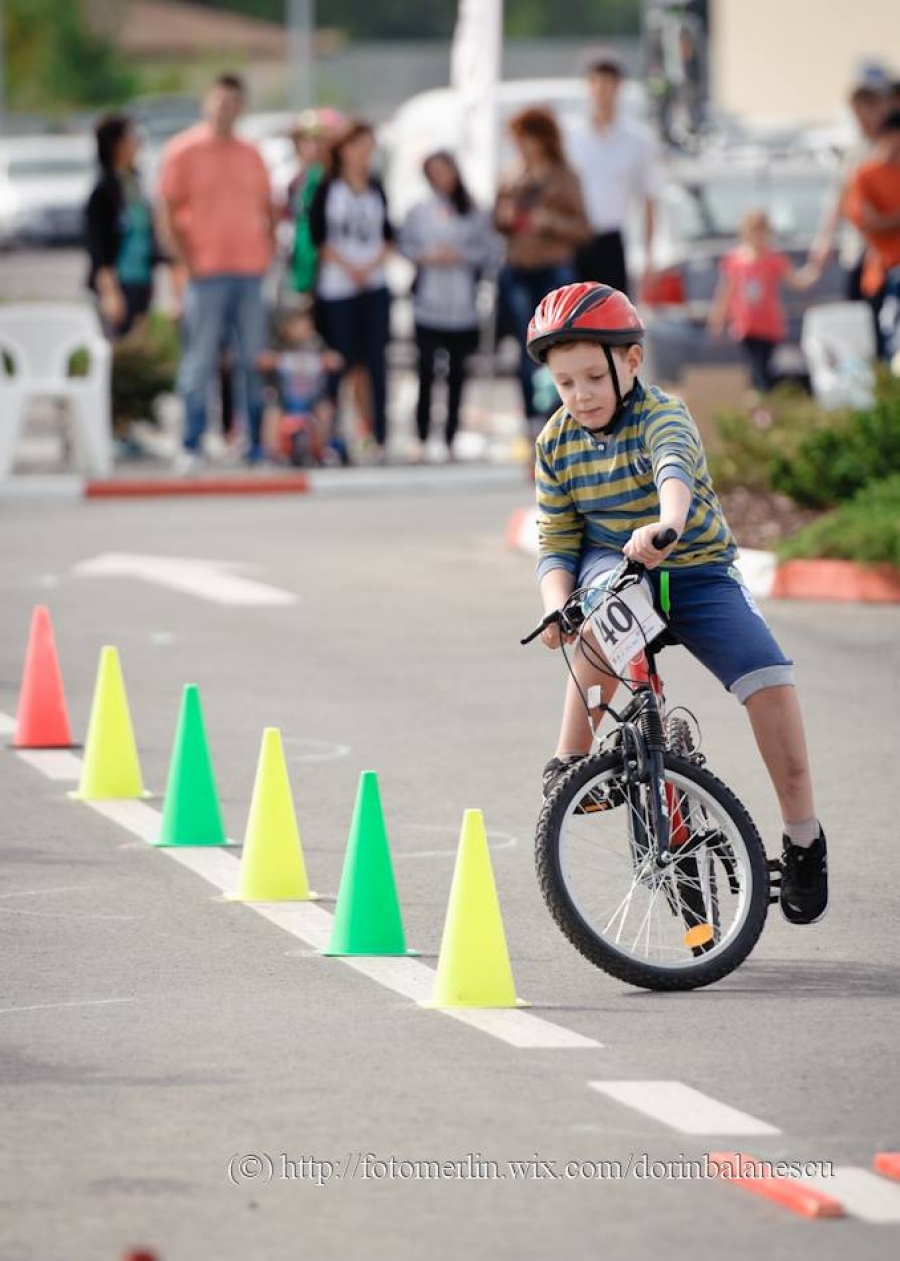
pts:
[716, 618]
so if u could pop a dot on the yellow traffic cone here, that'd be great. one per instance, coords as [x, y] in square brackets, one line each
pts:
[272, 866]
[474, 968]
[111, 768]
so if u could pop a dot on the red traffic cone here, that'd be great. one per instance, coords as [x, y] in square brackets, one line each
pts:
[42, 720]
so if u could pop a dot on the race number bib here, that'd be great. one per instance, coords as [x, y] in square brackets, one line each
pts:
[624, 624]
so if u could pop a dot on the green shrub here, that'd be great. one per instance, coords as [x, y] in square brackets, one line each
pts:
[144, 365]
[865, 529]
[747, 452]
[831, 465]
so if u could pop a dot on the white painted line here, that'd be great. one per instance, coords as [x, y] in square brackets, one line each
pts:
[7, 725]
[866, 1195]
[39, 893]
[85, 1002]
[312, 925]
[304, 920]
[54, 763]
[205, 579]
[520, 1029]
[215, 865]
[682, 1108]
[134, 816]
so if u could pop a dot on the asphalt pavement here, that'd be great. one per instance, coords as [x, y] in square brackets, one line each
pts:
[184, 1074]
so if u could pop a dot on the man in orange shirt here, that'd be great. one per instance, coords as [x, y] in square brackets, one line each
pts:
[216, 216]
[873, 204]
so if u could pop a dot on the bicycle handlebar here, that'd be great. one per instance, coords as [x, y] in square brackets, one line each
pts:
[570, 619]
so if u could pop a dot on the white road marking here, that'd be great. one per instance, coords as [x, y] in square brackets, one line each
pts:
[864, 1194]
[39, 893]
[312, 925]
[205, 579]
[301, 749]
[7, 725]
[134, 816]
[508, 841]
[54, 763]
[682, 1108]
[80, 1002]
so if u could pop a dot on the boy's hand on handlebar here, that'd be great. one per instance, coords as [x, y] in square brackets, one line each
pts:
[552, 636]
[640, 546]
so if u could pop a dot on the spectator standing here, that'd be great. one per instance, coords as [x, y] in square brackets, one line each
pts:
[748, 298]
[540, 211]
[309, 137]
[873, 203]
[349, 225]
[121, 243]
[450, 241]
[869, 105]
[618, 161]
[217, 216]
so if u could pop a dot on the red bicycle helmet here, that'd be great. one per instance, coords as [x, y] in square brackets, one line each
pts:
[585, 312]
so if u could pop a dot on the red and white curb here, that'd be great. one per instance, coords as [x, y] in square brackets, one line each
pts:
[757, 568]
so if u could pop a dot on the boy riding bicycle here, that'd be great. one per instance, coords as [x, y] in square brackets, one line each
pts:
[617, 464]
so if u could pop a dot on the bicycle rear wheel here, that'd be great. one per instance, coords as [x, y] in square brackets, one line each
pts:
[696, 880]
[623, 910]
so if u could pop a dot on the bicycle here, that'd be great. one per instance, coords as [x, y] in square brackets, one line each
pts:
[649, 864]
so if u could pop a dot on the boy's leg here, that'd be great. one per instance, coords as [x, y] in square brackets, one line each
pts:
[777, 724]
[717, 620]
[575, 731]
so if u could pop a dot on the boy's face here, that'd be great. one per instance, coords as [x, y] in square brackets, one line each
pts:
[581, 375]
[297, 329]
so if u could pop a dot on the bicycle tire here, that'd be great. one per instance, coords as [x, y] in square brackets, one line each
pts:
[707, 968]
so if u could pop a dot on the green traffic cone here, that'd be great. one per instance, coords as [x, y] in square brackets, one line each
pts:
[367, 915]
[191, 814]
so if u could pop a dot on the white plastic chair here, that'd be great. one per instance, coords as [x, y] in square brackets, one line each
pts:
[38, 339]
[838, 341]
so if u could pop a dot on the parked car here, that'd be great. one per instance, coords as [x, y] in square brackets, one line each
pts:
[698, 220]
[44, 184]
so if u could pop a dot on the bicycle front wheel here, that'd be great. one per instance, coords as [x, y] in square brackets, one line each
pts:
[673, 926]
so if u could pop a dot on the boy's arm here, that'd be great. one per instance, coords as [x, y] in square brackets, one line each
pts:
[560, 532]
[676, 453]
[674, 505]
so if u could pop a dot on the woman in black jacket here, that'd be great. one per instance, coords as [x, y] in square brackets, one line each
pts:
[119, 230]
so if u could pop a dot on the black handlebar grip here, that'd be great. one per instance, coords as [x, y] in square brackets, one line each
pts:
[662, 540]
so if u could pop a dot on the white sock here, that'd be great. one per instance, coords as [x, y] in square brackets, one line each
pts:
[802, 834]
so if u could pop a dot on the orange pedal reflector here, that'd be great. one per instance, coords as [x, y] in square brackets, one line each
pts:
[699, 935]
[748, 1173]
[887, 1163]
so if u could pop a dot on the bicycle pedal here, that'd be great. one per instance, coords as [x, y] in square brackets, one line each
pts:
[775, 873]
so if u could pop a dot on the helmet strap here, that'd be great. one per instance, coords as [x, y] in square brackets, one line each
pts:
[607, 350]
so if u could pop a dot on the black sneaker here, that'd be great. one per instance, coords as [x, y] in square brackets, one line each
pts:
[555, 769]
[591, 803]
[804, 881]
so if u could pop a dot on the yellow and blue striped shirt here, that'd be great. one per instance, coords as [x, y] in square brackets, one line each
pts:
[594, 490]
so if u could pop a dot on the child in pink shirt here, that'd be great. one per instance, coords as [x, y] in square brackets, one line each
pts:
[748, 297]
